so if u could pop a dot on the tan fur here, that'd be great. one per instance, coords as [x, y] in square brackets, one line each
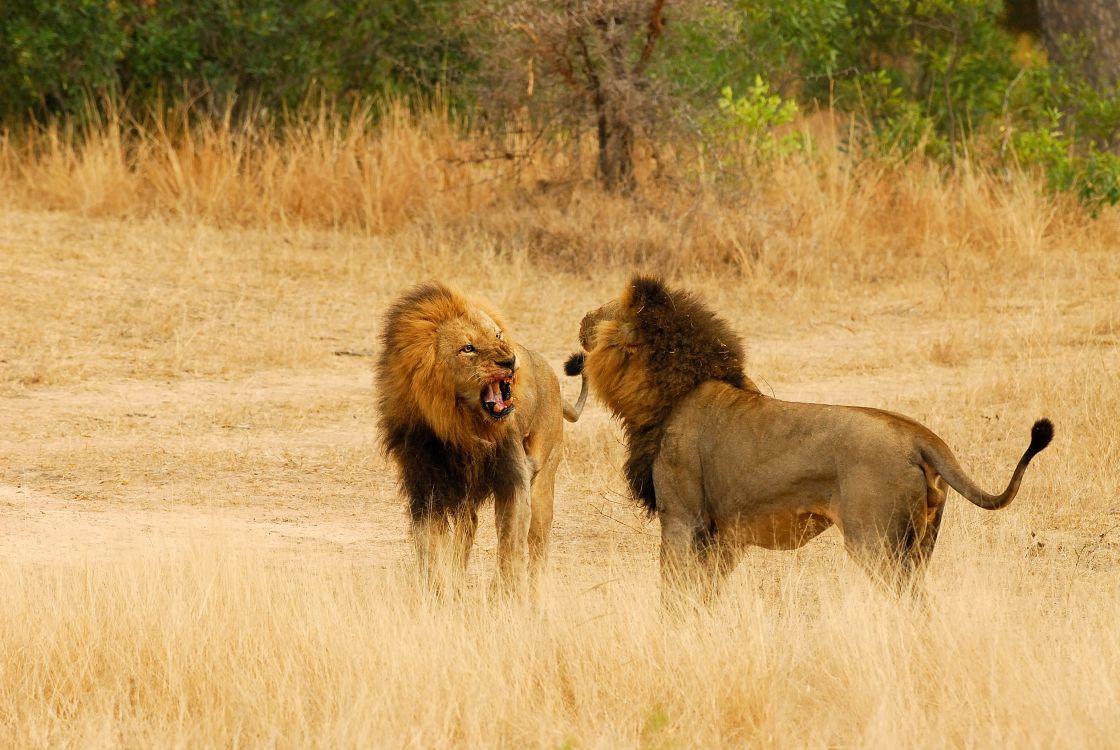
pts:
[725, 467]
[440, 350]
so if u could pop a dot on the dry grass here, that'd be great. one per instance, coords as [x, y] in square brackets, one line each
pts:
[216, 647]
[204, 546]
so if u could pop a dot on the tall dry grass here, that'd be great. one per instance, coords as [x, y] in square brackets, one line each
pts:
[175, 302]
[216, 647]
[805, 221]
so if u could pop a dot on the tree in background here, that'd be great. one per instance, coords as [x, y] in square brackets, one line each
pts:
[585, 59]
[1085, 33]
[946, 79]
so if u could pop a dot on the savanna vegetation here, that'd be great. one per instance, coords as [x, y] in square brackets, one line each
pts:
[205, 208]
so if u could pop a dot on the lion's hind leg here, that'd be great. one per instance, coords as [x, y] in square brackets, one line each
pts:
[886, 530]
[935, 508]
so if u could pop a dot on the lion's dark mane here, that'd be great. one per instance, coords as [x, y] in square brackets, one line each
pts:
[684, 345]
[439, 477]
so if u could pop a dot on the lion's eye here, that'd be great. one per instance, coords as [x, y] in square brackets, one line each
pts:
[467, 349]
[499, 335]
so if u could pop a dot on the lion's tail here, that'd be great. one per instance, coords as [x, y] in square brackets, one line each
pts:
[938, 456]
[573, 367]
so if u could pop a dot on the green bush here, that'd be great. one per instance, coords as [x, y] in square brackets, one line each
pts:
[1093, 175]
[943, 77]
[751, 119]
[57, 54]
[53, 55]
[940, 77]
[916, 73]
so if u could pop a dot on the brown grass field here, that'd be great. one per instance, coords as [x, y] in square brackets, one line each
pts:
[204, 547]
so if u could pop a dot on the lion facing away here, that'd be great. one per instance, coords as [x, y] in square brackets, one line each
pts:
[467, 414]
[724, 467]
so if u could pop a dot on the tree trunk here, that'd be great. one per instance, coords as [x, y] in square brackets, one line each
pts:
[1092, 23]
[616, 154]
[614, 107]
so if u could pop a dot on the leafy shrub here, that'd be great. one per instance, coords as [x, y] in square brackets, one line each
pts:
[54, 54]
[57, 54]
[1093, 175]
[941, 77]
[752, 118]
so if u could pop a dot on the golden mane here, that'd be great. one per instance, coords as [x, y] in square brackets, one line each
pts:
[414, 384]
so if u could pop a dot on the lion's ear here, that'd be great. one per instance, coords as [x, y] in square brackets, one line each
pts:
[647, 292]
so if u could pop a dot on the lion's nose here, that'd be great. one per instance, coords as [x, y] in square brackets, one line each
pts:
[510, 364]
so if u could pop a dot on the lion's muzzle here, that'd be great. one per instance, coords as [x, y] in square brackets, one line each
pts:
[497, 394]
[497, 398]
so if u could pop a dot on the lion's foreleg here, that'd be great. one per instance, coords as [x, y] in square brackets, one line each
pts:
[466, 524]
[679, 570]
[540, 523]
[677, 478]
[430, 539]
[717, 559]
[512, 514]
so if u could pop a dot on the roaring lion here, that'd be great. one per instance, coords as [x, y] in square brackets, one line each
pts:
[467, 414]
[724, 467]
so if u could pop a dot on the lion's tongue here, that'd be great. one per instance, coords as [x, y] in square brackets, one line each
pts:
[494, 396]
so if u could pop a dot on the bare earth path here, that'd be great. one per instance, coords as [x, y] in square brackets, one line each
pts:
[288, 461]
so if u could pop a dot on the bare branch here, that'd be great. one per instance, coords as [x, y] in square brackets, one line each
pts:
[556, 60]
[655, 27]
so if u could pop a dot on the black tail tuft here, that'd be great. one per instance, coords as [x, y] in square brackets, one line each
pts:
[574, 365]
[1041, 435]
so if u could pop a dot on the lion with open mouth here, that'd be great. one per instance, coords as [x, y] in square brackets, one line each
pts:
[468, 415]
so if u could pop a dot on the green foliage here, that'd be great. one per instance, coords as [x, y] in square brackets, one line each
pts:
[1093, 175]
[752, 118]
[55, 54]
[1067, 128]
[937, 77]
[916, 72]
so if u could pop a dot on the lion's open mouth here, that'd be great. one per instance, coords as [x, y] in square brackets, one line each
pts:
[496, 398]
